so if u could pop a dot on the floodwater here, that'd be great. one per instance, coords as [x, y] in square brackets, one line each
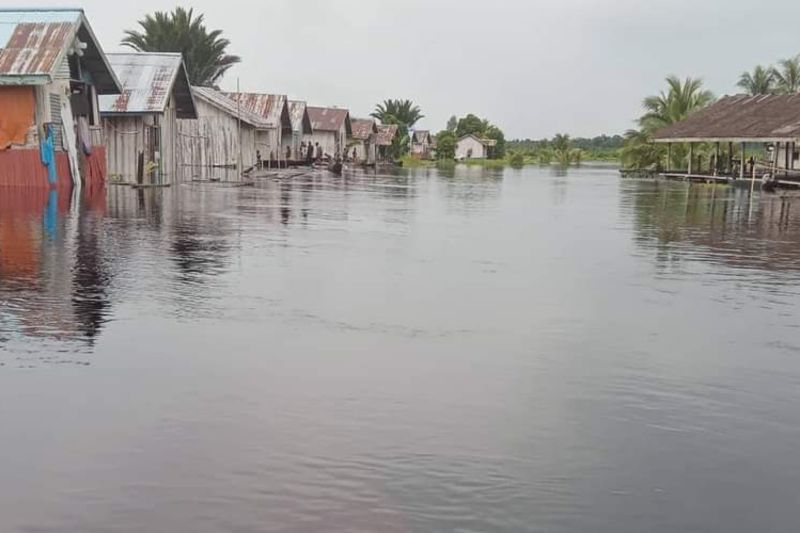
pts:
[472, 351]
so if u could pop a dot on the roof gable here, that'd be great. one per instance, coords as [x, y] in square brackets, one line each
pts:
[231, 107]
[329, 119]
[148, 80]
[272, 107]
[298, 114]
[386, 134]
[363, 128]
[35, 42]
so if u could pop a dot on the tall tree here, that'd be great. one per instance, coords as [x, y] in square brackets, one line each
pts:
[402, 112]
[446, 142]
[204, 52]
[668, 107]
[787, 76]
[674, 105]
[470, 125]
[452, 124]
[760, 81]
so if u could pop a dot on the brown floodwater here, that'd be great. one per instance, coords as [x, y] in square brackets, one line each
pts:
[472, 351]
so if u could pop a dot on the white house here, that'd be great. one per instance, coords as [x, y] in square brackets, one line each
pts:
[473, 147]
[143, 119]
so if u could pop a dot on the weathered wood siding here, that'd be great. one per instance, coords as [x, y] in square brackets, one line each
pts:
[332, 142]
[210, 144]
[124, 140]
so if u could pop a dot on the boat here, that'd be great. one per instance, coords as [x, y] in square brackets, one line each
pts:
[336, 167]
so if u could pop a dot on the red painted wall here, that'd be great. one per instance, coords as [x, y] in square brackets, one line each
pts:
[24, 168]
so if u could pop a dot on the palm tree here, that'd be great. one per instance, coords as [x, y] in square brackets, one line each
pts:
[181, 31]
[402, 112]
[760, 81]
[681, 99]
[787, 77]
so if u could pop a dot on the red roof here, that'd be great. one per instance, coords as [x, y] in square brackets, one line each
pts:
[328, 118]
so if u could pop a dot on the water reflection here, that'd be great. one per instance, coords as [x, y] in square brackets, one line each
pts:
[718, 223]
[53, 272]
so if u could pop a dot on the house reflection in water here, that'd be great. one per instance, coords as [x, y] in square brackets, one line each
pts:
[54, 280]
[717, 224]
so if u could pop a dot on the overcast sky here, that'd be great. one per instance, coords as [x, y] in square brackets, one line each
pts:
[533, 67]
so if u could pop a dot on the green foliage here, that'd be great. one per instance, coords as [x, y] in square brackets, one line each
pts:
[446, 142]
[402, 112]
[471, 125]
[180, 31]
[600, 148]
[516, 158]
[760, 81]
[787, 76]
[496, 134]
[474, 125]
[678, 102]
[674, 105]
[452, 124]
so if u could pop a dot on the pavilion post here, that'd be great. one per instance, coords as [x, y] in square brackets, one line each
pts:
[730, 159]
[741, 164]
[669, 157]
[716, 160]
[691, 157]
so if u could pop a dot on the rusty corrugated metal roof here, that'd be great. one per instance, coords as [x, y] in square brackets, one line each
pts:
[298, 114]
[147, 80]
[741, 117]
[35, 42]
[329, 118]
[363, 128]
[230, 106]
[386, 134]
[272, 107]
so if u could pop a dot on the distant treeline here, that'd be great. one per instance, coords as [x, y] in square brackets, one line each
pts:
[600, 148]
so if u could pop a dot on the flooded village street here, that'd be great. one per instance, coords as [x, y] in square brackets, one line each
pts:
[473, 350]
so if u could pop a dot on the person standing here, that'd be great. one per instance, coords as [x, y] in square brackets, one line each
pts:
[318, 152]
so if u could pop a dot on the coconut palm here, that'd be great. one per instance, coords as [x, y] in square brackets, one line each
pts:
[787, 76]
[181, 31]
[398, 112]
[760, 81]
[681, 99]
[678, 102]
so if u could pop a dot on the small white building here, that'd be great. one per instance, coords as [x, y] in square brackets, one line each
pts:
[473, 147]
[363, 143]
[331, 128]
[422, 144]
[140, 125]
[210, 146]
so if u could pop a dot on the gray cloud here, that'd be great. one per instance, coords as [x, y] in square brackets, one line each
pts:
[535, 68]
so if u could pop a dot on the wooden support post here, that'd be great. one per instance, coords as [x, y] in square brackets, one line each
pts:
[669, 156]
[691, 157]
[716, 161]
[730, 159]
[741, 164]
